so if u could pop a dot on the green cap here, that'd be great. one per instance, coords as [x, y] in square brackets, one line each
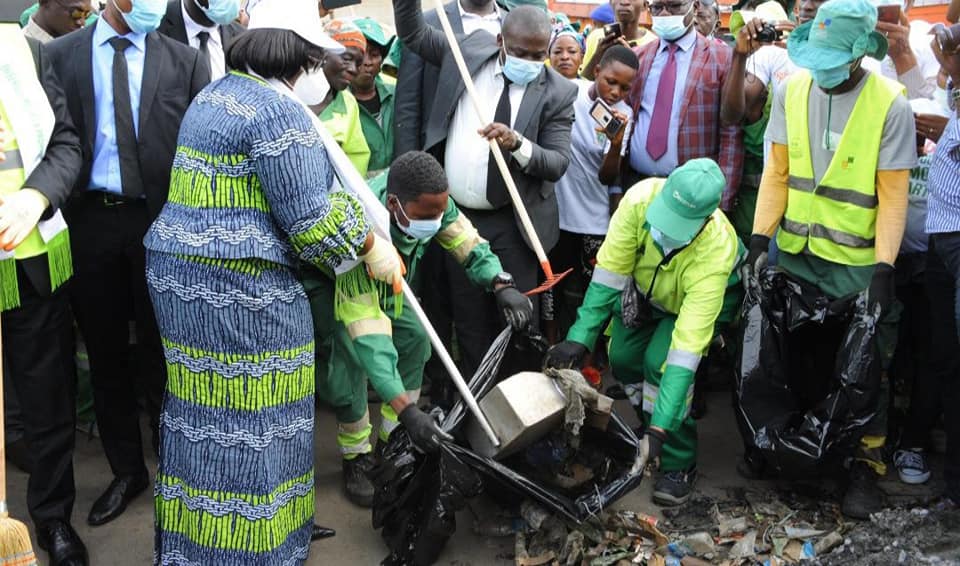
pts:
[842, 30]
[373, 31]
[690, 195]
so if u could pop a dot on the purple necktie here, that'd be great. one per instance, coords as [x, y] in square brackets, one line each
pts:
[663, 107]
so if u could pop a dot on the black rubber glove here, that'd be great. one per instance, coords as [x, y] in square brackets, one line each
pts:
[883, 287]
[424, 431]
[567, 354]
[756, 259]
[515, 306]
[651, 445]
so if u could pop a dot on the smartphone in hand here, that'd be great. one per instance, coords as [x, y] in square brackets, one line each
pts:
[603, 116]
[889, 13]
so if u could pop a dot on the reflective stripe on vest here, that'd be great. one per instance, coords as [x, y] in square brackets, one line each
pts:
[835, 219]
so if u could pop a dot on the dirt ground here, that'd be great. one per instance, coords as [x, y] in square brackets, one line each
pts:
[129, 540]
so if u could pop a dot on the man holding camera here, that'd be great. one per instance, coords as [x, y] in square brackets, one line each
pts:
[835, 184]
[668, 259]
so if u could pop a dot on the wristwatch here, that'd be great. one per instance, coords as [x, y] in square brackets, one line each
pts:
[519, 142]
[503, 279]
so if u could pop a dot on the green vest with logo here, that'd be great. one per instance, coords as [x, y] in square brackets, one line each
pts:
[12, 177]
[835, 218]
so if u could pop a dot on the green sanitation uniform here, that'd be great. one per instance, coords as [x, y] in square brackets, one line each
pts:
[363, 332]
[690, 291]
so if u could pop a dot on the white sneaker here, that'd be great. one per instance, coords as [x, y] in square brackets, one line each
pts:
[911, 466]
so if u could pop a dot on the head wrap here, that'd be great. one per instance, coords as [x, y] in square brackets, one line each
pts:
[346, 34]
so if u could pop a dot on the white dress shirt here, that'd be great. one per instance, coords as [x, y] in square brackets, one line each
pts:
[472, 22]
[467, 152]
[218, 63]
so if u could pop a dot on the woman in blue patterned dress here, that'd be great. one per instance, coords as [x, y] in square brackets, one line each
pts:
[249, 197]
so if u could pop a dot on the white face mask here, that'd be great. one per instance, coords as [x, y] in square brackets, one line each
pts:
[671, 28]
[312, 87]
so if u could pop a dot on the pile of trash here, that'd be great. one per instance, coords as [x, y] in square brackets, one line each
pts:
[746, 528]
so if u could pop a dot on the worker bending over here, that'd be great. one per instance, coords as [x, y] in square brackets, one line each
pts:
[666, 274]
[364, 333]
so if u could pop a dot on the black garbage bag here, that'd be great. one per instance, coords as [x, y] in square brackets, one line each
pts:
[808, 375]
[417, 496]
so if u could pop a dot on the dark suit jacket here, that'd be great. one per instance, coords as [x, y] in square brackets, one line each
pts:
[55, 174]
[173, 27]
[416, 85]
[173, 74]
[544, 118]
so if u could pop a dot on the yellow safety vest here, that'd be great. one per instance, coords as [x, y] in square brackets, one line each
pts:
[835, 218]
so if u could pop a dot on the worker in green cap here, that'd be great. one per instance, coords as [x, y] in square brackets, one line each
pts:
[666, 272]
[835, 193]
[375, 96]
[376, 336]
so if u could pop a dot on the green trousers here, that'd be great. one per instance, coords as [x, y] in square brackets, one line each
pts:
[342, 369]
[637, 359]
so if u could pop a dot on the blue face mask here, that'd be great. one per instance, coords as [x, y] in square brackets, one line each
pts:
[145, 16]
[418, 229]
[831, 78]
[221, 12]
[520, 71]
[671, 28]
[667, 243]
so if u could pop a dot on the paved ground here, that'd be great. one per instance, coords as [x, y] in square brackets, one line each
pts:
[129, 540]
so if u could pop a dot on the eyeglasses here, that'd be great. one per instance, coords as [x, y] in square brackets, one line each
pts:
[75, 13]
[669, 7]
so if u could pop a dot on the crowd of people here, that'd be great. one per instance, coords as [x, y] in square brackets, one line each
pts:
[218, 202]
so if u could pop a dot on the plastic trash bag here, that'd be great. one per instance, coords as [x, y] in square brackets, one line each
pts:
[417, 496]
[796, 414]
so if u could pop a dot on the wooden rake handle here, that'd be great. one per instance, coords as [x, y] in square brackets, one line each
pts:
[494, 148]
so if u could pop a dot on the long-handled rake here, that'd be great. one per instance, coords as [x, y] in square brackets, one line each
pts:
[15, 546]
[551, 278]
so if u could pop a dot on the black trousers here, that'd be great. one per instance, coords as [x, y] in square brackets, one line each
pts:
[473, 311]
[109, 290]
[943, 279]
[912, 361]
[38, 350]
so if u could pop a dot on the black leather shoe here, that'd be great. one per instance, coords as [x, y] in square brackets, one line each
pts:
[321, 532]
[114, 500]
[63, 543]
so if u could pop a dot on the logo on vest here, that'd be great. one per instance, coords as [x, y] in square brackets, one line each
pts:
[680, 199]
[847, 163]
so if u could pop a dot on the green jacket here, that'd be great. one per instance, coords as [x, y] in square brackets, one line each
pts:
[365, 307]
[691, 287]
[457, 236]
[342, 119]
[378, 131]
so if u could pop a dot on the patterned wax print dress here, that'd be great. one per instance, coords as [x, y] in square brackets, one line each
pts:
[249, 196]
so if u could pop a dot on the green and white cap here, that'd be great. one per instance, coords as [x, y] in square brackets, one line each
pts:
[690, 195]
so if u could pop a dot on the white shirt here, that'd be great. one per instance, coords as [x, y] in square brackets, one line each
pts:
[584, 202]
[489, 23]
[218, 63]
[771, 65]
[921, 80]
[467, 152]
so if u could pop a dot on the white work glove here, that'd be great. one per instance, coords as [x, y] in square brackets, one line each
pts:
[384, 263]
[19, 214]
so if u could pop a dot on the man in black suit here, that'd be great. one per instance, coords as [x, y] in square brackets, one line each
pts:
[205, 25]
[35, 180]
[417, 79]
[128, 89]
[532, 107]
